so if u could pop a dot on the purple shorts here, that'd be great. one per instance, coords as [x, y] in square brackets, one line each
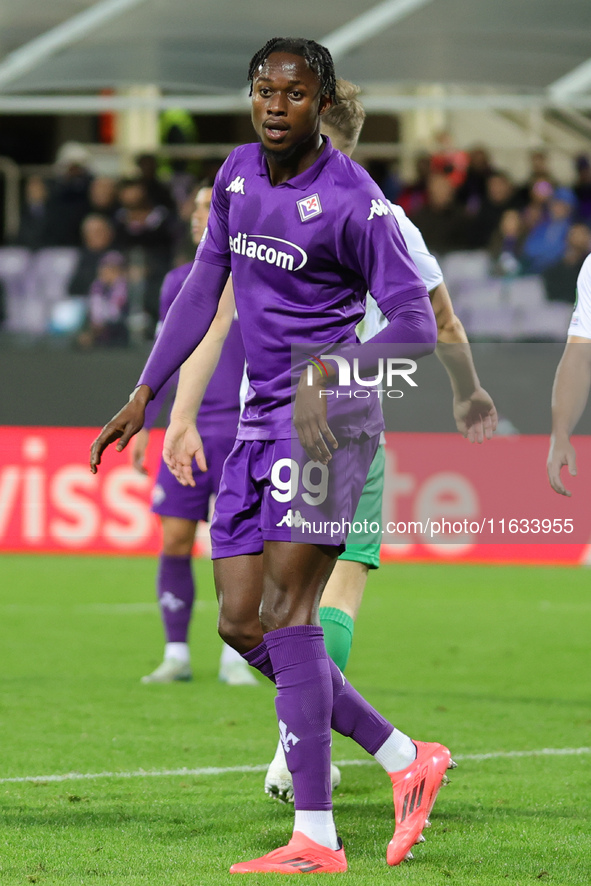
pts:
[171, 499]
[271, 491]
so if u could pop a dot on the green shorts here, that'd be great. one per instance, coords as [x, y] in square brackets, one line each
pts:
[363, 545]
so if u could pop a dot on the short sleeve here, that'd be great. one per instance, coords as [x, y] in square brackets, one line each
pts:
[427, 264]
[580, 323]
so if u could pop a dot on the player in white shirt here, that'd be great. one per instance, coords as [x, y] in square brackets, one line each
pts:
[572, 383]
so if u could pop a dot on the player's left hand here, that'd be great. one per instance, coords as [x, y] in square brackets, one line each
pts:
[309, 418]
[476, 416]
[562, 454]
[182, 444]
[138, 452]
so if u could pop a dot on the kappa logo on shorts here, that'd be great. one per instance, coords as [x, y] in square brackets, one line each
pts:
[293, 519]
[309, 207]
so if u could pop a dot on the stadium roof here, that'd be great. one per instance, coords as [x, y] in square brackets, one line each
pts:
[525, 52]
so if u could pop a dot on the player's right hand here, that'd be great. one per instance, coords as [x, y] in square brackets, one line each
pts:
[127, 422]
[561, 455]
[182, 444]
[309, 418]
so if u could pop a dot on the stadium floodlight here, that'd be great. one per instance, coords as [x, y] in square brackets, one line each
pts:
[362, 28]
[29, 56]
[576, 81]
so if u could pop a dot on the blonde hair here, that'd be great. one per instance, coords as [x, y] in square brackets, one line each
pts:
[347, 115]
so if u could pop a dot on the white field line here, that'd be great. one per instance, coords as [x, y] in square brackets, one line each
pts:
[262, 767]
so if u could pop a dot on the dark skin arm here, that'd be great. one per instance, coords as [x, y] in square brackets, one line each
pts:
[127, 422]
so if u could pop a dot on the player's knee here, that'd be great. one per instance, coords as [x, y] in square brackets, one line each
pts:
[178, 537]
[239, 635]
[282, 610]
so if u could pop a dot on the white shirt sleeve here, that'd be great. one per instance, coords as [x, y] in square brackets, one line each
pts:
[580, 323]
[427, 264]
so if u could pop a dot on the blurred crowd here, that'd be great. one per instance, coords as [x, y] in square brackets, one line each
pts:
[126, 234]
[461, 201]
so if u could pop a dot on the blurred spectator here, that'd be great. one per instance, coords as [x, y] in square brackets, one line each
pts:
[385, 178]
[539, 172]
[68, 198]
[414, 196]
[102, 196]
[582, 188]
[34, 223]
[561, 278]
[141, 226]
[98, 234]
[448, 160]
[546, 242]
[472, 192]
[506, 244]
[107, 309]
[441, 221]
[538, 209]
[158, 192]
[499, 196]
[184, 245]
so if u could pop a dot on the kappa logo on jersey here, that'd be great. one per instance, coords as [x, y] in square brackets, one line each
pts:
[255, 246]
[309, 207]
[378, 207]
[287, 737]
[236, 186]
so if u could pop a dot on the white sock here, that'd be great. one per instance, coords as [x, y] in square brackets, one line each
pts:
[178, 651]
[397, 752]
[229, 655]
[318, 825]
[279, 758]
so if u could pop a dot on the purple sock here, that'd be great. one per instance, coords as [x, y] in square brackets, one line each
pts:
[176, 592]
[304, 706]
[352, 715]
[259, 658]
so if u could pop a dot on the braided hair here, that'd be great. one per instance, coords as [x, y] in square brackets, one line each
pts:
[318, 58]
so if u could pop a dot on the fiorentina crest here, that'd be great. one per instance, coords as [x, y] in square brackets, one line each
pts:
[309, 207]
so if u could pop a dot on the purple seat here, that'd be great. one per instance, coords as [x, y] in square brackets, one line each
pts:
[15, 262]
[46, 284]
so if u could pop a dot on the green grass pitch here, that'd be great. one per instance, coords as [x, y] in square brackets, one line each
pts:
[489, 660]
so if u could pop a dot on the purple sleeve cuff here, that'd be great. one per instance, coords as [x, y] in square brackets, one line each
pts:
[186, 323]
[154, 407]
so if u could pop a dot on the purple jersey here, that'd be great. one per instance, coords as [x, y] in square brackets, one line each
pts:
[220, 408]
[303, 255]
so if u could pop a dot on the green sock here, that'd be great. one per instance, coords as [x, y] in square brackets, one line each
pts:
[338, 634]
